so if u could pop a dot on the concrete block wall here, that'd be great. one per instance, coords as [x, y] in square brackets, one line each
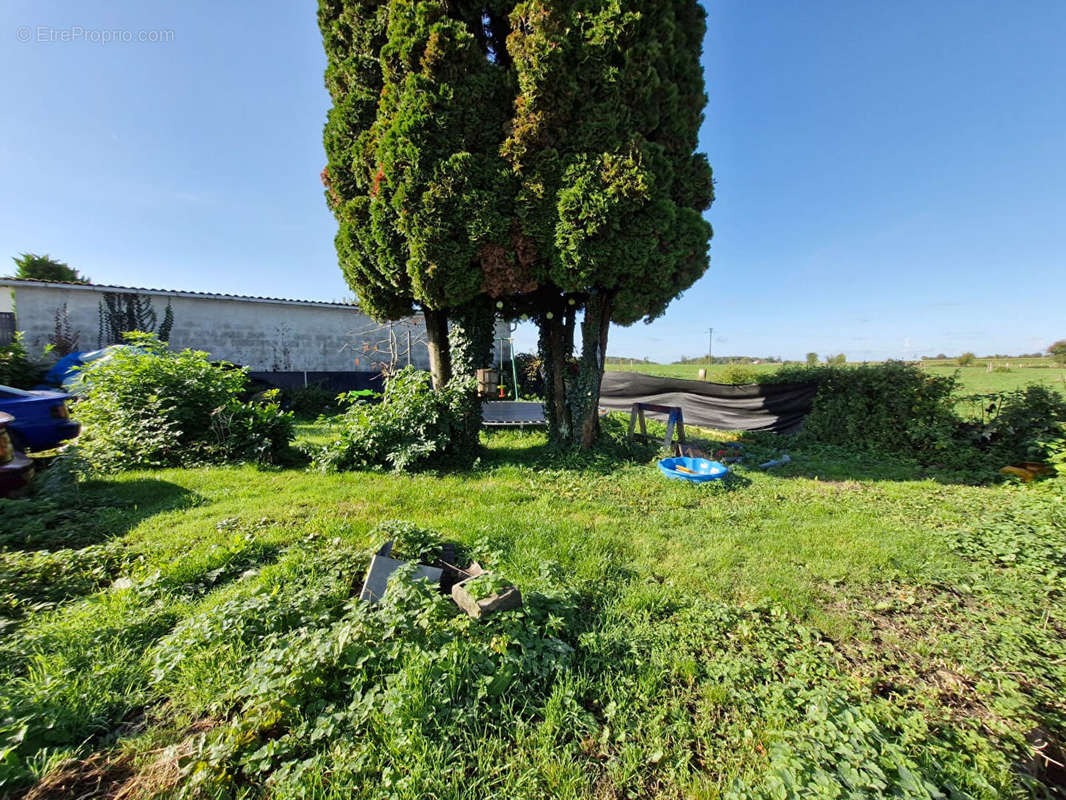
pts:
[266, 335]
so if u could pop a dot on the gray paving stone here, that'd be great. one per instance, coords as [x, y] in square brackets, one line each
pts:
[480, 609]
[381, 567]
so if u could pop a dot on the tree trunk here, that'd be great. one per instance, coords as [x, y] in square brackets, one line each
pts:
[556, 347]
[440, 359]
[585, 396]
[471, 337]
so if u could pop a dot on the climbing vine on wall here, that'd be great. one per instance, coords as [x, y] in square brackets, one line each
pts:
[123, 312]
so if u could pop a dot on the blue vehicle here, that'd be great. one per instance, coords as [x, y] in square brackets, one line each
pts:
[42, 419]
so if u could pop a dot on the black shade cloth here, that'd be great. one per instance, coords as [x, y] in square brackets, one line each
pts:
[778, 407]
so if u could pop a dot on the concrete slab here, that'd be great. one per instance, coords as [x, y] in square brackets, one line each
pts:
[381, 567]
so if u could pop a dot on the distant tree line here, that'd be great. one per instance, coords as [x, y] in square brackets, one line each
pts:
[731, 360]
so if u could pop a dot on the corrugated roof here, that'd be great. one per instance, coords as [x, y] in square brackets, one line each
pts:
[15, 282]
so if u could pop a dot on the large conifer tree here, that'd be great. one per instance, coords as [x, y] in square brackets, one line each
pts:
[540, 153]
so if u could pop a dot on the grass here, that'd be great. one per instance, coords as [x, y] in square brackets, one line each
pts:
[973, 380]
[838, 627]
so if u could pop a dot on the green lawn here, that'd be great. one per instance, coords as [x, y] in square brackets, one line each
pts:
[973, 380]
[841, 627]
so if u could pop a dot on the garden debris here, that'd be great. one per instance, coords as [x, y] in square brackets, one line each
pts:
[382, 567]
[1026, 470]
[98, 775]
[1047, 760]
[482, 595]
[776, 462]
[688, 451]
[723, 452]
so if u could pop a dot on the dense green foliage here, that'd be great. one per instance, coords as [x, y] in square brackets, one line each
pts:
[1021, 425]
[413, 427]
[147, 406]
[16, 369]
[865, 633]
[466, 154]
[413, 138]
[738, 374]
[894, 407]
[32, 266]
[606, 120]
[310, 400]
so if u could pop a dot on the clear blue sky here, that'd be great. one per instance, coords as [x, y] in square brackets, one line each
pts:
[891, 177]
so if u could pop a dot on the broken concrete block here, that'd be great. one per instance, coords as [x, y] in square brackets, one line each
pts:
[473, 570]
[464, 594]
[381, 567]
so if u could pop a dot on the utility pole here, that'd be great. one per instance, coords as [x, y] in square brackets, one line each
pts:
[710, 339]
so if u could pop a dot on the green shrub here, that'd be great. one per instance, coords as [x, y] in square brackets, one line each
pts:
[147, 406]
[310, 401]
[413, 427]
[967, 360]
[16, 369]
[738, 374]
[410, 542]
[1021, 425]
[893, 407]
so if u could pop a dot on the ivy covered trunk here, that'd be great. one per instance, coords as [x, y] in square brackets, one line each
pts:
[471, 338]
[556, 347]
[440, 360]
[572, 391]
[473, 328]
[585, 393]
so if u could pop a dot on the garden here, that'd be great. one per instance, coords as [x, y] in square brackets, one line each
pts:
[881, 616]
[182, 607]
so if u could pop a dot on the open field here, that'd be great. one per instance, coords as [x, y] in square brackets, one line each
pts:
[973, 380]
[866, 627]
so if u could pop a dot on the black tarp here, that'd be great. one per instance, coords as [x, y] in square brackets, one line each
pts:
[779, 407]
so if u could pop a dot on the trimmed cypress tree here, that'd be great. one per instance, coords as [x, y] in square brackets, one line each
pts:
[611, 188]
[415, 176]
[540, 153]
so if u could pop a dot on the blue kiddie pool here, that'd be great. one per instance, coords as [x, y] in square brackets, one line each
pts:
[700, 469]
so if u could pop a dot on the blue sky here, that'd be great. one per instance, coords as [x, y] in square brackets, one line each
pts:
[891, 177]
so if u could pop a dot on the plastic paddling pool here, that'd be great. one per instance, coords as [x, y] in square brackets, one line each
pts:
[697, 470]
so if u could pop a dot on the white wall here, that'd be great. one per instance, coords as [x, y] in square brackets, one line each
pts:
[266, 336]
